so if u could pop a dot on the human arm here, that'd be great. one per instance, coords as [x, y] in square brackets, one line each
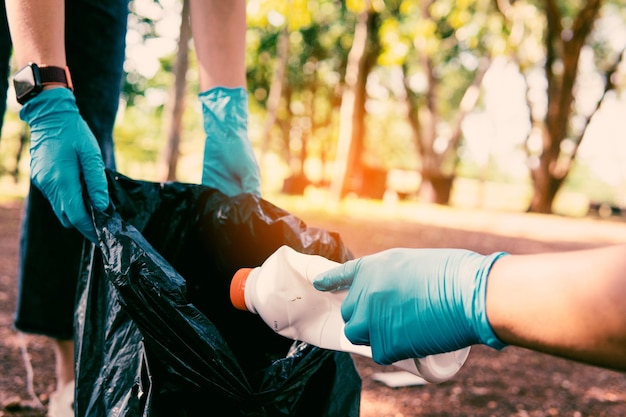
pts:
[219, 33]
[63, 147]
[37, 31]
[569, 304]
[425, 301]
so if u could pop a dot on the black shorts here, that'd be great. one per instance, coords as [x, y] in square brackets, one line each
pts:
[48, 271]
[49, 253]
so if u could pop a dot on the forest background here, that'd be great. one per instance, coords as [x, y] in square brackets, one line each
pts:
[499, 104]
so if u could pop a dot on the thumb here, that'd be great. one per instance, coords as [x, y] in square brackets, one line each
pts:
[336, 279]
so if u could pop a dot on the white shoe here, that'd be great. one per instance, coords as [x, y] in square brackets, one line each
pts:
[61, 402]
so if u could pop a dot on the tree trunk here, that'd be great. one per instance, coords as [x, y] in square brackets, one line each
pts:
[438, 166]
[176, 103]
[276, 88]
[347, 112]
[362, 56]
[436, 187]
[549, 173]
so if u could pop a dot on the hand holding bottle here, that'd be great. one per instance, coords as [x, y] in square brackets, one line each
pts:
[408, 303]
[281, 291]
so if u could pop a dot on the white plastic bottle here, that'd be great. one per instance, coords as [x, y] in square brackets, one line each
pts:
[281, 291]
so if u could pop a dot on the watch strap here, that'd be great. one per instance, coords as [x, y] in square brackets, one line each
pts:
[50, 75]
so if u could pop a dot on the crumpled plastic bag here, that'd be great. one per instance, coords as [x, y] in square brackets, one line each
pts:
[156, 334]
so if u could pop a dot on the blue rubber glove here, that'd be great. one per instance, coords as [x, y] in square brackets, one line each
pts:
[411, 303]
[62, 149]
[229, 161]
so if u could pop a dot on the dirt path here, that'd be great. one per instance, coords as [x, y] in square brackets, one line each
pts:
[513, 382]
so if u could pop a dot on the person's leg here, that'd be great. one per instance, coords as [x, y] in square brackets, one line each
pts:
[62, 399]
[64, 355]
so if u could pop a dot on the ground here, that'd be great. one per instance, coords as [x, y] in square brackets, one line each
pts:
[512, 382]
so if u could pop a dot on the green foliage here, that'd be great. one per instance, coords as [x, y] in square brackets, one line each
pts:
[454, 37]
[138, 136]
[317, 52]
[316, 44]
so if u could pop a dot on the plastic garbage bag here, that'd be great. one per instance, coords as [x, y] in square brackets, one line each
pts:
[156, 333]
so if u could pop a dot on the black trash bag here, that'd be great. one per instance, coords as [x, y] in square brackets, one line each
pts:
[156, 333]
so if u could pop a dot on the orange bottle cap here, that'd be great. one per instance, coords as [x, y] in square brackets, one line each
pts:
[238, 287]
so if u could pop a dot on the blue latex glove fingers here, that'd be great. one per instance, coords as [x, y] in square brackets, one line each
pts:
[63, 149]
[415, 302]
[336, 279]
[342, 278]
[229, 161]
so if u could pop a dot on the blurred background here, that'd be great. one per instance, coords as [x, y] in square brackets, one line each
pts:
[513, 105]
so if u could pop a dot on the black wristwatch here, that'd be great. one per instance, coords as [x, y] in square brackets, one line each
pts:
[30, 80]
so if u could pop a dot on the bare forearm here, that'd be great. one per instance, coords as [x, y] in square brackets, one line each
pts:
[219, 33]
[568, 304]
[37, 31]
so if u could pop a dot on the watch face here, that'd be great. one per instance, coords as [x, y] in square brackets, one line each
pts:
[27, 83]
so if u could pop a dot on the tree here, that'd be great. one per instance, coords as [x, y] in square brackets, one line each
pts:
[296, 58]
[276, 86]
[554, 139]
[448, 45]
[361, 59]
[174, 112]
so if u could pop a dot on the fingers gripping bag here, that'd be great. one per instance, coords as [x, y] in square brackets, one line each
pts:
[156, 333]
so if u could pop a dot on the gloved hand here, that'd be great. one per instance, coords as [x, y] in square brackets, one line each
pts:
[229, 161]
[411, 303]
[63, 149]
